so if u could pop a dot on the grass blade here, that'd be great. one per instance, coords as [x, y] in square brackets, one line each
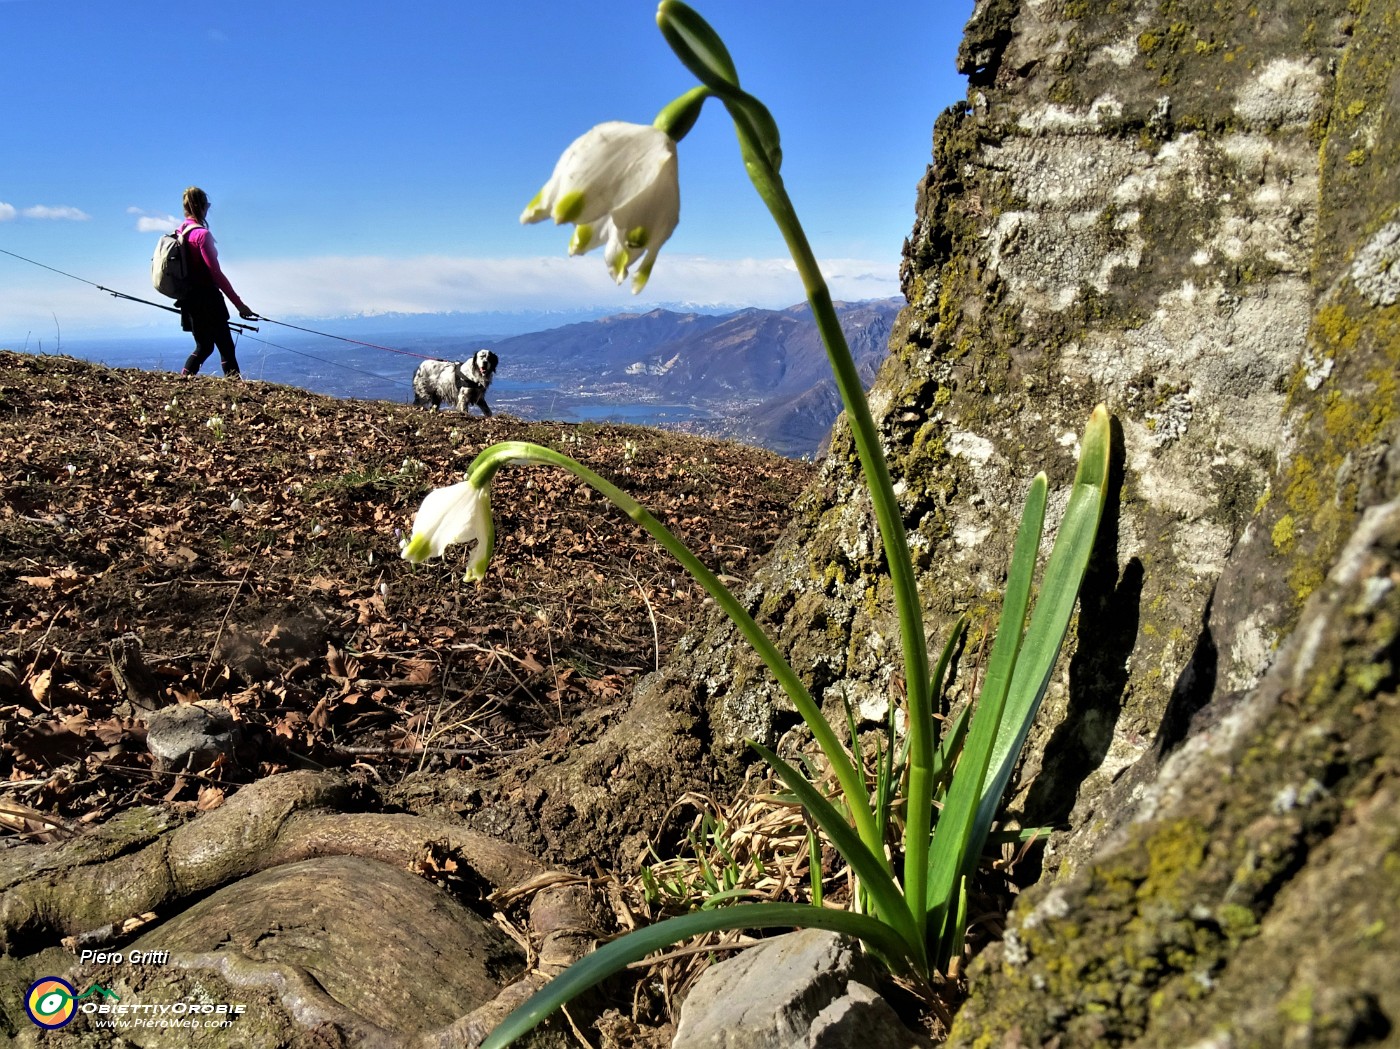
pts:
[875, 878]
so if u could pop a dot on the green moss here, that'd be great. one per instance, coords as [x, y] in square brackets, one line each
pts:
[1370, 677]
[1341, 419]
[834, 576]
[1297, 1008]
[1238, 922]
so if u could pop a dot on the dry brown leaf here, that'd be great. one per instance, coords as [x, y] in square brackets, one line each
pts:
[209, 798]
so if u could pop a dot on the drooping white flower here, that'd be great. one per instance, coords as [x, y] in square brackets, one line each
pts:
[458, 513]
[619, 185]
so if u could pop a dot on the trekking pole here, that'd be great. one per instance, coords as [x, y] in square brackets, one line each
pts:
[109, 291]
[238, 325]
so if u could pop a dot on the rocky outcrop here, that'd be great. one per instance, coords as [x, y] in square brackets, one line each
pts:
[1189, 212]
[1227, 875]
[1252, 899]
[807, 990]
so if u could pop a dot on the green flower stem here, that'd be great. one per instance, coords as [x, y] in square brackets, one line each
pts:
[922, 741]
[680, 115]
[852, 780]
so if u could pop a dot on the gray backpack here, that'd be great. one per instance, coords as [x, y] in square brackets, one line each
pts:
[170, 269]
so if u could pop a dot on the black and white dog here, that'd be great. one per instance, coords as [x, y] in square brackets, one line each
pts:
[461, 384]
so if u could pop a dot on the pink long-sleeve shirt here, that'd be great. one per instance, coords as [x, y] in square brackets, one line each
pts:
[202, 240]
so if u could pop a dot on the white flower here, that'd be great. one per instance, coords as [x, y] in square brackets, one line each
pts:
[458, 513]
[619, 184]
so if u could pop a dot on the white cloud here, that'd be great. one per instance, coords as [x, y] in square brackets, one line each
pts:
[338, 285]
[41, 211]
[334, 286]
[152, 222]
[7, 212]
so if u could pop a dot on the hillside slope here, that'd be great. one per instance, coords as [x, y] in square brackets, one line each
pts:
[248, 535]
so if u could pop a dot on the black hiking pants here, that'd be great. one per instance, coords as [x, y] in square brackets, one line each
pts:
[206, 318]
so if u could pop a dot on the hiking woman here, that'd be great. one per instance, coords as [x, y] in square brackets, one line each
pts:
[202, 311]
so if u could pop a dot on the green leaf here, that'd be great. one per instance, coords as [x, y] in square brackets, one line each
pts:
[620, 953]
[945, 660]
[874, 876]
[736, 893]
[814, 866]
[954, 838]
[949, 750]
[923, 782]
[1059, 590]
[1007, 647]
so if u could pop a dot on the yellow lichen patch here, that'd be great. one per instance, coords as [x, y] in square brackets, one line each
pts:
[1174, 850]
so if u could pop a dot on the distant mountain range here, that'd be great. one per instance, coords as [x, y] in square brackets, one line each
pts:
[760, 376]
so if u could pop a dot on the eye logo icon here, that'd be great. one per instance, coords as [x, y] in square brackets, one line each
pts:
[50, 1002]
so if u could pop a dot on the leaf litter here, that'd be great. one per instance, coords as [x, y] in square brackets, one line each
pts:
[243, 539]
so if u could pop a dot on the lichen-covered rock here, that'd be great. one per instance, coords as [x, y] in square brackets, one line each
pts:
[1228, 874]
[1187, 211]
[1254, 897]
[1152, 209]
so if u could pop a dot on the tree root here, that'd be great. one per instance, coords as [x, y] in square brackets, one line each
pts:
[276, 874]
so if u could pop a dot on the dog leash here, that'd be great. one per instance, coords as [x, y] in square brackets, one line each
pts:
[324, 360]
[342, 338]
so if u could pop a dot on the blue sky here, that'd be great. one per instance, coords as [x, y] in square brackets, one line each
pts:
[371, 157]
